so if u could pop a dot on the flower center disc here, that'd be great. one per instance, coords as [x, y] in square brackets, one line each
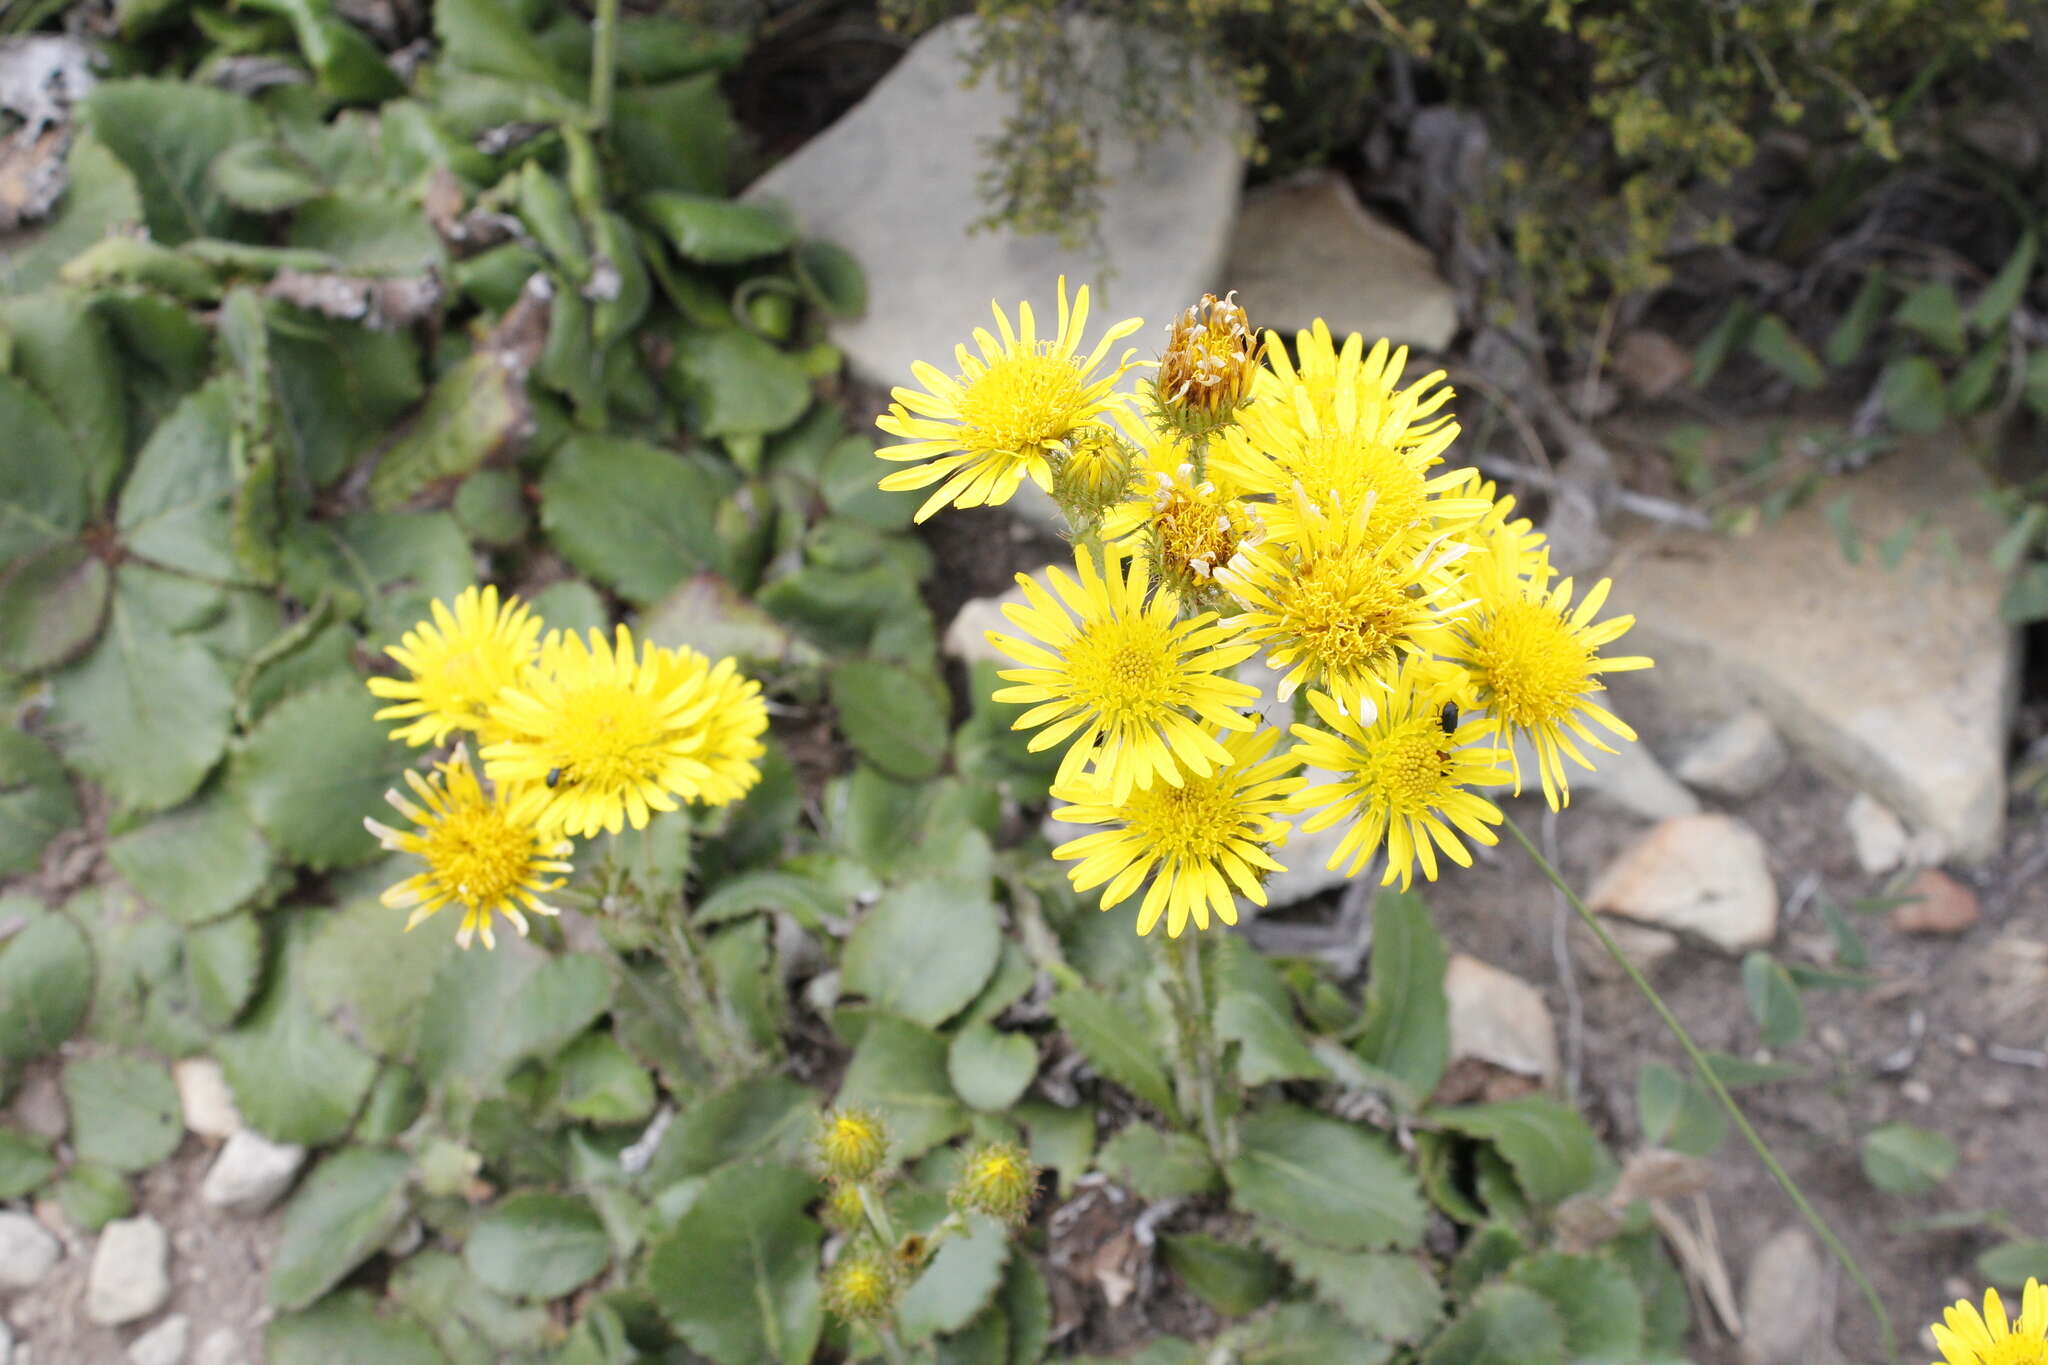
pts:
[478, 854]
[1194, 821]
[1536, 668]
[1020, 403]
[610, 736]
[1124, 668]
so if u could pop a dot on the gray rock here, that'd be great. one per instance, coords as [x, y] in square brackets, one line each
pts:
[1702, 875]
[1498, 1018]
[220, 1347]
[251, 1173]
[896, 182]
[1305, 248]
[39, 1108]
[1895, 681]
[966, 639]
[1737, 759]
[7, 1345]
[130, 1274]
[1785, 1307]
[27, 1251]
[203, 1093]
[163, 1344]
[1880, 841]
[1630, 778]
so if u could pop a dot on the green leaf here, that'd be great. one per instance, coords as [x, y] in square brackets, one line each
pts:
[924, 950]
[1326, 1180]
[678, 134]
[1254, 1010]
[146, 714]
[1115, 1044]
[124, 1111]
[538, 1246]
[491, 505]
[1677, 1114]
[1552, 1150]
[361, 966]
[263, 176]
[1390, 1296]
[93, 1196]
[2002, 295]
[961, 1280]
[831, 278]
[1773, 999]
[167, 133]
[341, 1215]
[1596, 1301]
[1505, 1324]
[476, 411]
[369, 232]
[1902, 1159]
[1062, 1140]
[223, 963]
[1407, 1030]
[598, 1081]
[1970, 391]
[738, 1276]
[43, 497]
[715, 231]
[52, 604]
[25, 1164]
[348, 64]
[196, 863]
[752, 892]
[1295, 1334]
[739, 385]
[313, 768]
[1772, 342]
[990, 1069]
[2010, 1265]
[64, 350]
[638, 518]
[100, 199]
[488, 36]
[341, 388]
[36, 803]
[898, 1072]
[1159, 1164]
[294, 1077]
[1933, 312]
[1913, 395]
[1845, 344]
[348, 1327]
[765, 1119]
[46, 982]
[893, 716]
[174, 509]
[1234, 1280]
[1028, 1305]
[473, 1325]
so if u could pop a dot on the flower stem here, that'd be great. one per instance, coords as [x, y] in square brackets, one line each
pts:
[1199, 1069]
[1720, 1091]
[679, 953]
[892, 1347]
[604, 61]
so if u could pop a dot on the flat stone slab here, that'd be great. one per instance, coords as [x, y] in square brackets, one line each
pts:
[896, 181]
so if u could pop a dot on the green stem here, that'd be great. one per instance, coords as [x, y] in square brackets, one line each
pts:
[878, 1216]
[1198, 1069]
[679, 953]
[1713, 1083]
[891, 1347]
[604, 61]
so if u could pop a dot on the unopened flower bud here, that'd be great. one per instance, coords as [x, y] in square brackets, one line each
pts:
[997, 1180]
[1205, 373]
[843, 1209]
[851, 1145]
[862, 1284]
[1094, 476]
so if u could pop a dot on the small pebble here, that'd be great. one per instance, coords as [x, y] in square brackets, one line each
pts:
[1964, 1044]
[163, 1344]
[27, 1251]
[1833, 1039]
[1940, 905]
[130, 1274]
[203, 1092]
[1917, 1091]
[220, 1348]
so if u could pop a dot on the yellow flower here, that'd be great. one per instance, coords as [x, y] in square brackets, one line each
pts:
[1503, 544]
[458, 661]
[729, 741]
[851, 1144]
[1132, 686]
[862, 1283]
[1400, 779]
[487, 854]
[997, 1180]
[1351, 390]
[606, 736]
[1966, 1338]
[1336, 611]
[1534, 666]
[1207, 369]
[985, 429]
[1198, 841]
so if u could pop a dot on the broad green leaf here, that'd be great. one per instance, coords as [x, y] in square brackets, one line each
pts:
[36, 803]
[765, 1119]
[477, 410]
[63, 349]
[1325, 1179]
[1232, 1279]
[1846, 342]
[1388, 1295]
[174, 509]
[313, 768]
[1115, 1044]
[100, 199]
[636, 517]
[924, 950]
[1028, 1305]
[554, 1005]
[1294, 1334]
[363, 970]
[25, 1164]
[341, 388]
[1159, 1164]
[1505, 1324]
[196, 863]
[473, 1325]
[537, 1245]
[739, 385]
[1597, 1303]
[1062, 1140]
[1772, 342]
[223, 964]
[43, 497]
[491, 505]
[349, 1327]
[961, 1280]
[263, 175]
[167, 133]
[898, 1072]
[1677, 1114]
[294, 1076]
[799, 897]
[342, 1213]
[1773, 999]
[2009, 1265]
[679, 134]
[1970, 391]
[893, 716]
[414, 558]
[146, 713]
[465, 1031]
[1913, 394]
[1902, 1159]
[738, 1276]
[1407, 1018]
[1933, 312]
[715, 231]
[46, 982]
[1254, 1011]
[1995, 304]
[93, 1196]
[489, 36]
[52, 604]
[347, 63]
[124, 1111]
[707, 614]
[1551, 1148]
[598, 1081]
[831, 278]
[990, 1069]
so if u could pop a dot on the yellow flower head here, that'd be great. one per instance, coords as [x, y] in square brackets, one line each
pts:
[862, 1284]
[1200, 842]
[1206, 371]
[487, 854]
[1504, 545]
[981, 432]
[728, 742]
[607, 736]
[851, 1144]
[1401, 778]
[1968, 1338]
[1352, 391]
[1136, 689]
[997, 1180]
[1335, 611]
[1534, 665]
[458, 661]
